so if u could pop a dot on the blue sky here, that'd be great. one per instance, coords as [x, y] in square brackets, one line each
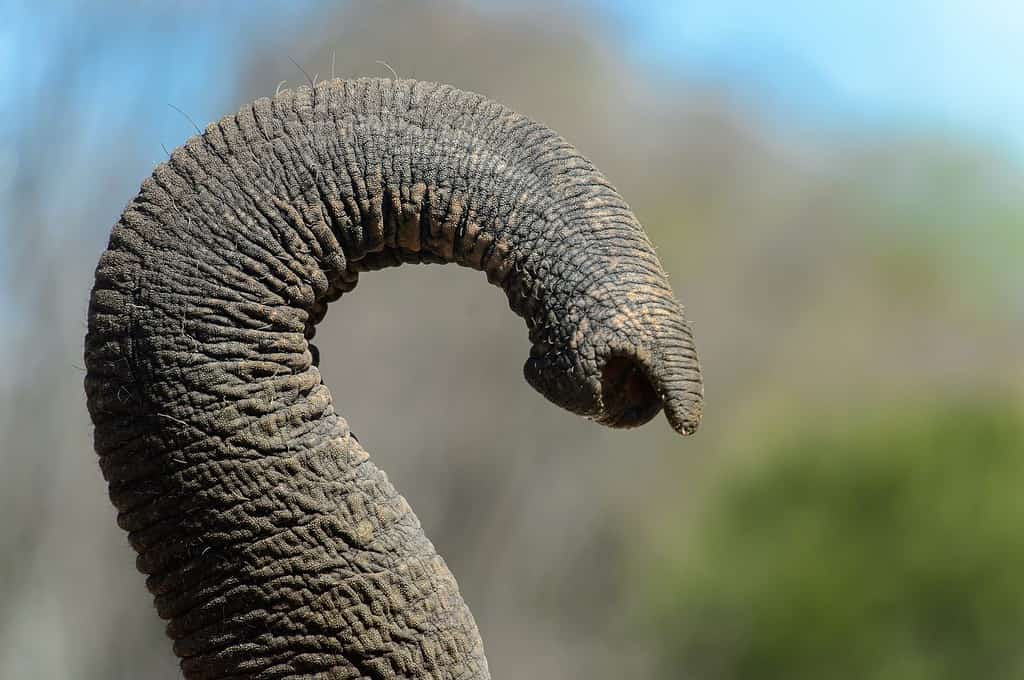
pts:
[951, 65]
[946, 67]
[941, 67]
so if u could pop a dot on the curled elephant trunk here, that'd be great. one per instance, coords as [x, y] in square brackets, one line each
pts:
[272, 544]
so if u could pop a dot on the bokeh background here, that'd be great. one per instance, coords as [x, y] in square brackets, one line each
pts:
[836, 192]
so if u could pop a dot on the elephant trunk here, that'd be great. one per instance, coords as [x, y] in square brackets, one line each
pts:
[272, 544]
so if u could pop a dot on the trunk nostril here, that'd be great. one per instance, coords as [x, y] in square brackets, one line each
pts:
[539, 349]
[629, 398]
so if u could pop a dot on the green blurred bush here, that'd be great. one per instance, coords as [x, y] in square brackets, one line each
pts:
[887, 549]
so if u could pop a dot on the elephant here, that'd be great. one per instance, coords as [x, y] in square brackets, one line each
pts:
[271, 543]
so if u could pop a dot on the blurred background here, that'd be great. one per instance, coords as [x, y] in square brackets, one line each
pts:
[837, 196]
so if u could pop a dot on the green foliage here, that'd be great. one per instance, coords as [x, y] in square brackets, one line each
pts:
[892, 550]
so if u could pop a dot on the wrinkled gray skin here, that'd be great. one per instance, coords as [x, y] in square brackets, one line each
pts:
[272, 544]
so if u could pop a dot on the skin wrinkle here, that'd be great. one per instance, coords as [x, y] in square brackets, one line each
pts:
[257, 248]
[271, 543]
